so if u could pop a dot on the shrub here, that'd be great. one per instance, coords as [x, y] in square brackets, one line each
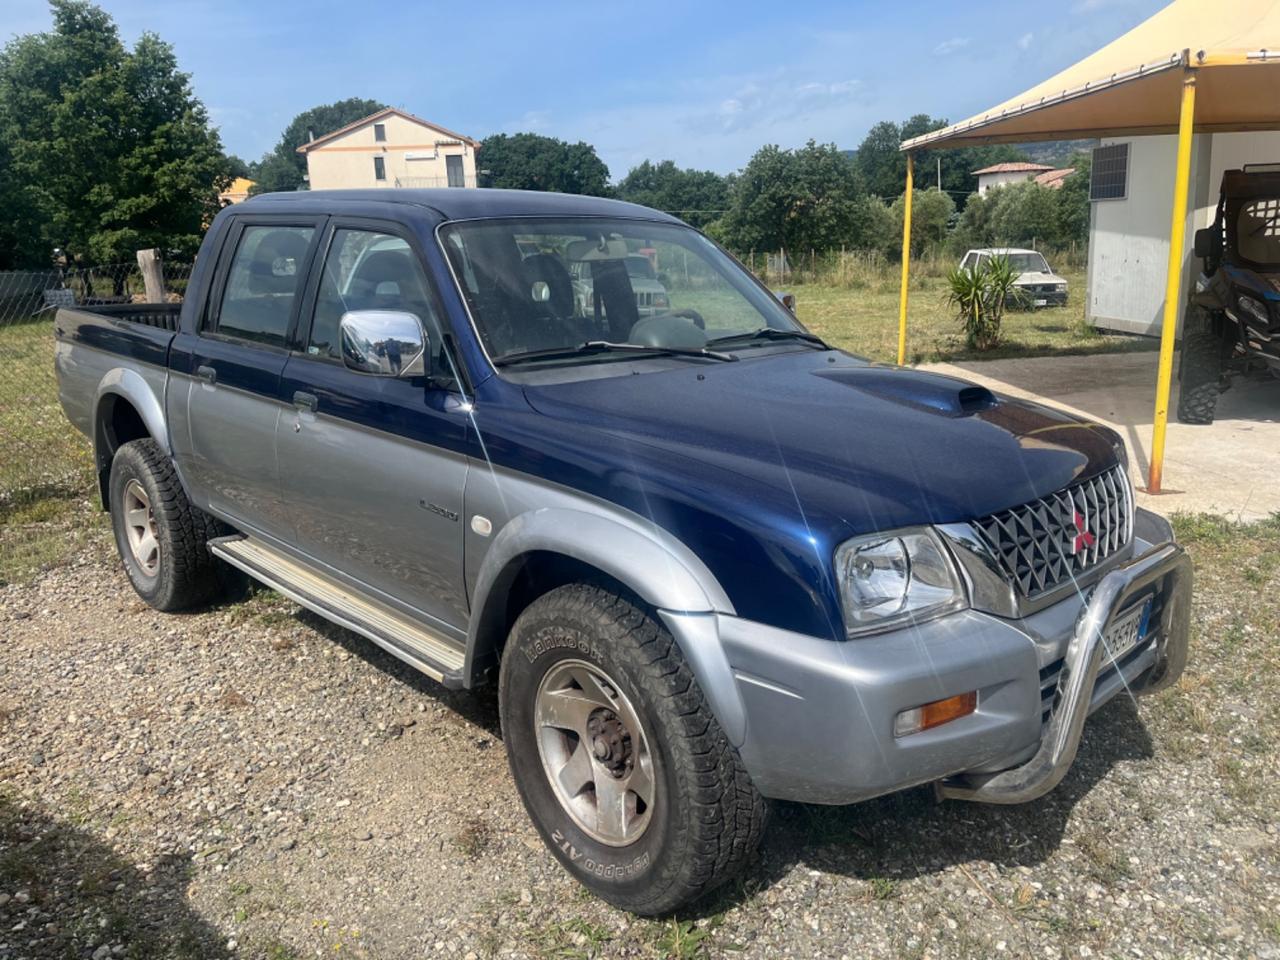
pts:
[979, 296]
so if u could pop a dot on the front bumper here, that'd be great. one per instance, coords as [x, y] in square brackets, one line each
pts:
[813, 718]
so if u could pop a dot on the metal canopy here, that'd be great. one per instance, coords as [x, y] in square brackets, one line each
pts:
[1195, 66]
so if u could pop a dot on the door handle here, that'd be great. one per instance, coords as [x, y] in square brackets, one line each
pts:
[305, 401]
[207, 374]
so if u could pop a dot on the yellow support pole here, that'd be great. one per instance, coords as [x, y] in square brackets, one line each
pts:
[1173, 286]
[906, 269]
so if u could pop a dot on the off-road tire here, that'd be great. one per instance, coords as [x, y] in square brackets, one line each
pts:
[707, 817]
[1200, 370]
[186, 574]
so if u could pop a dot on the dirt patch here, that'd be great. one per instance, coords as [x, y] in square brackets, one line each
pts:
[251, 781]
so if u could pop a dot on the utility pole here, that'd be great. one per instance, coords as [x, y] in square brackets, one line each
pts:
[939, 173]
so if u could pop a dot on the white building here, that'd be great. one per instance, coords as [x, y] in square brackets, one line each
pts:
[1002, 173]
[1131, 189]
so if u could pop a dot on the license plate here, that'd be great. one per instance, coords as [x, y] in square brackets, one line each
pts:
[1125, 634]
[1039, 303]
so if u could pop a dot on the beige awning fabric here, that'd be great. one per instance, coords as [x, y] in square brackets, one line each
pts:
[1131, 86]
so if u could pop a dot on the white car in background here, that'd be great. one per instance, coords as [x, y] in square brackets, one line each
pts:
[1039, 285]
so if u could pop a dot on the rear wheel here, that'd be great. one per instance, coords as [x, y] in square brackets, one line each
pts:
[620, 763]
[1200, 373]
[161, 537]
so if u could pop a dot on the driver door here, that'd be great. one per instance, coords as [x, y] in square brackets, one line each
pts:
[373, 467]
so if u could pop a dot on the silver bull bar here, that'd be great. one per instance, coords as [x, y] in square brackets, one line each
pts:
[1168, 568]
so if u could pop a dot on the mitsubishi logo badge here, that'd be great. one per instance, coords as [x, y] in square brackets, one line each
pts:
[1083, 537]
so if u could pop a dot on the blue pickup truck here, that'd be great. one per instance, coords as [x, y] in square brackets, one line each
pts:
[707, 559]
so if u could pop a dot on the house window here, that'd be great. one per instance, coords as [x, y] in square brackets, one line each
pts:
[379, 168]
[380, 132]
[1109, 178]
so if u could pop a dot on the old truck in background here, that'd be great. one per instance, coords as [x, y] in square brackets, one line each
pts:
[707, 559]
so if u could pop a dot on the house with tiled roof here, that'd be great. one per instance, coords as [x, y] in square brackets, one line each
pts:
[999, 174]
[390, 148]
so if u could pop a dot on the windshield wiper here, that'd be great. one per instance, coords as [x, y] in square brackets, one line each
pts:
[606, 346]
[772, 333]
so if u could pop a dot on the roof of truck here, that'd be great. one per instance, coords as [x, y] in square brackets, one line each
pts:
[465, 204]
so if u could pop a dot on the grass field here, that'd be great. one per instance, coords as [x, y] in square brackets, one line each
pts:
[45, 465]
[861, 316]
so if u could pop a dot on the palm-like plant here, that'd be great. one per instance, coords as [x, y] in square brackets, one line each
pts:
[979, 296]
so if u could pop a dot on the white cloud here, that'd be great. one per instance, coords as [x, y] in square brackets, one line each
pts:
[951, 46]
[1025, 41]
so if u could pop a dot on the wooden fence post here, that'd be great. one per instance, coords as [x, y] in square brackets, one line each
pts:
[152, 275]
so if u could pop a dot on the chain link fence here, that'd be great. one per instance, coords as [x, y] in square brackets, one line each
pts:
[46, 476]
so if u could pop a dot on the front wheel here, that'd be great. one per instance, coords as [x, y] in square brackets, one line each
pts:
[161, 537]
[622, 767]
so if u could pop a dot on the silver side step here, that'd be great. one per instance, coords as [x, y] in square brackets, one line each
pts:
[417, 646]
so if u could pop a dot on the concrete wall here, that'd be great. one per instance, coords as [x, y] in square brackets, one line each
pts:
[413, 154]
[1129, 239]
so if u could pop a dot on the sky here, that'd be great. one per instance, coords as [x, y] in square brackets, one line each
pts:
[699, 82]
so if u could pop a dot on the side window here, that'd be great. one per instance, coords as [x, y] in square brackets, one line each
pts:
[969, 262]
[365, 270]
[262, 282]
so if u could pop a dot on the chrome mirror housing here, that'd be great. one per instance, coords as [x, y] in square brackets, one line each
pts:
[385, 343]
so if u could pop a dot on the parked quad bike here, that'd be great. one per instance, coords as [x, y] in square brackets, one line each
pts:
[1232, 324]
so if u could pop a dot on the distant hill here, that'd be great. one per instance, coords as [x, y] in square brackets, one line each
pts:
[1056, 152]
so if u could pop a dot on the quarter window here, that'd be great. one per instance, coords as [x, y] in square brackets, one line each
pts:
[262, 283]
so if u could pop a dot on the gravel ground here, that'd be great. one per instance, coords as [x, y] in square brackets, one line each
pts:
[250, 781]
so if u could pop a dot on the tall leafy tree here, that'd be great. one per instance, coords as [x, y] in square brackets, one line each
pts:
[530, 161]
[805, 199]
[107, 148]
[695, 196]
[284, 168]
[884, 166]
[931, 213]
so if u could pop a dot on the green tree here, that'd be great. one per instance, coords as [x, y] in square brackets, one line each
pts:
[1073, 204]
[1025, 214]
[284, 168]
[884, 166]
[530, 161]
[695, 196]
[931, 213]
[107, 149]
[805, 199]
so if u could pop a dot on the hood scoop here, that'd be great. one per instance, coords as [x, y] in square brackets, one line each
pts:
[930, 392]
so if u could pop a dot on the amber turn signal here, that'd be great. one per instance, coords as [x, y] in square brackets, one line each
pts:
[935, 714]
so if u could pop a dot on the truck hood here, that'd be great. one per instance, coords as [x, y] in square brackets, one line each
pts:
[1037, 278]
[835, 443]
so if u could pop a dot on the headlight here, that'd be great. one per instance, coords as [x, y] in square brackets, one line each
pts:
[1255, 309]
[891, 578]
[1060, 287]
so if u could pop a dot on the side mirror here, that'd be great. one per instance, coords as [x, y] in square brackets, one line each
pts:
[788, 300]
[385, 343]
[1203, 245]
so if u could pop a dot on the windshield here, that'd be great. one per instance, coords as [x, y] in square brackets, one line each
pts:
[1258, 231]
[1028, 263]
[544, 285]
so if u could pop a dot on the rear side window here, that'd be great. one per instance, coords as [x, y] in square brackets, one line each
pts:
[262, 283]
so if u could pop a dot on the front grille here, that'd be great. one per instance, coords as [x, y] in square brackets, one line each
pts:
[1042, 544]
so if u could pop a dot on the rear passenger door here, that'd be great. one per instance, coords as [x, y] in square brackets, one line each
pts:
[229, 370]
[373, 467]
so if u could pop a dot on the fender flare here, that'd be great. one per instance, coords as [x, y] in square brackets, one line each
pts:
[648, 560]
[130, 386]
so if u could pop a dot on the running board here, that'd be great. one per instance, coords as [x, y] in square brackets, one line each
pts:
[417, 646]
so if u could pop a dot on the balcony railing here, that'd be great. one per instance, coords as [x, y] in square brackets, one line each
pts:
[431, 183]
